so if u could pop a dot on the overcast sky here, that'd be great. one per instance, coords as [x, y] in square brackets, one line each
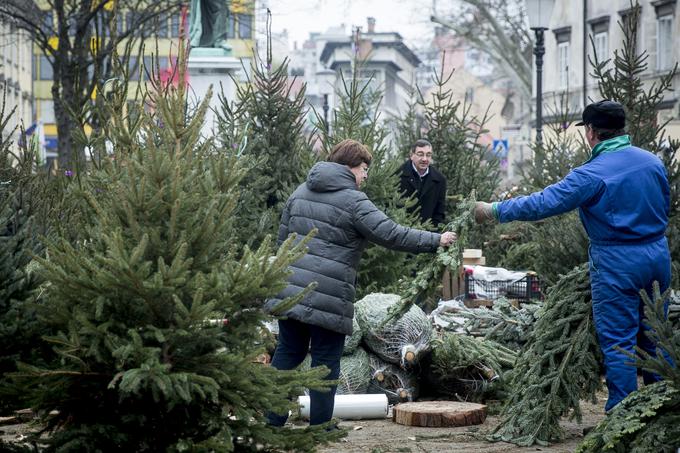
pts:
[410, 18]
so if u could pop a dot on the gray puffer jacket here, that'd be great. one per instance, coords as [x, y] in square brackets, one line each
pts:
[346, 220]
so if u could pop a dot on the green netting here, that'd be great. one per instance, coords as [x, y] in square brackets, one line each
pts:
[402, 340]
[352, 341]
[466, 367]
[355, 372]
[399, 385]
[504, 322]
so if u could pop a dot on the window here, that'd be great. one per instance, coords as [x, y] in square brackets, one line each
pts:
[469, 95]
[664, 42]
[120, 25]
[174, 26]
[133, 68]
[45, 68]
[562, 37]
[563, 64]
[162, 27]
[601, 41]
[48, 23]
[34, 67]
[600, 30]
[72, 25]
[245, 27]
[47, 111]
[231, 29]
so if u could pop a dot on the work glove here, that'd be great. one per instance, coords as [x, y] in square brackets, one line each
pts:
[484, 212]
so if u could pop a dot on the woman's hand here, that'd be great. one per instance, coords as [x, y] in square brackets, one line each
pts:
[447, 238]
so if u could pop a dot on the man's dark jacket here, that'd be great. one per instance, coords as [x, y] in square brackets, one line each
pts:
[431, 191]
[346, 221]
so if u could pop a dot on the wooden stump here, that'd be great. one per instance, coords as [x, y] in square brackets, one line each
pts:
[439, 414]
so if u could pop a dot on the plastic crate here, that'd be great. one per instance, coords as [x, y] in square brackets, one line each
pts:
[523, 290]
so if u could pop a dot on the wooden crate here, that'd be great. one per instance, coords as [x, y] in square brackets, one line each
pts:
[454, 285]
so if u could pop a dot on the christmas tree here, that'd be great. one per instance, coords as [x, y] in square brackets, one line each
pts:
[559, 366]
[649, 418]
[357, 117]
[553, 246]
[265, 127]
[455, 137]
[156, 314]
[18, 244]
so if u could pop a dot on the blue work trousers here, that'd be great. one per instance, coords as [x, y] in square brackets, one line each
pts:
[295, 340]
[617, 274]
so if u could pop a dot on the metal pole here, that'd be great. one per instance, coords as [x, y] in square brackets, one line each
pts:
[325, 111]
[539, 51]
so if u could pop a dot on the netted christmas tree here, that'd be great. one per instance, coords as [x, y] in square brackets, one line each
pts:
[558, 367]
[156, 313]
[402, 340]
[357, 117]
[649, 418]
[465, 367]
[397, 384]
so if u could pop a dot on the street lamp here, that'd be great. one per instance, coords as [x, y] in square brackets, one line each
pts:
[539, 12]
[326, 82]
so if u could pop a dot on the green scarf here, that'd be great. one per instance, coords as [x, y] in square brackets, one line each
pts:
[610, 146]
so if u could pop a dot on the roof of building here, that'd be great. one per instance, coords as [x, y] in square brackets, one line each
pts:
[377, 40]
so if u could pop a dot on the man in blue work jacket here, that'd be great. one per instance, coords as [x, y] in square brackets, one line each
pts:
[623, 197]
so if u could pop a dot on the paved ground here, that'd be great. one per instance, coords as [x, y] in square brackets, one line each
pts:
[384, 436]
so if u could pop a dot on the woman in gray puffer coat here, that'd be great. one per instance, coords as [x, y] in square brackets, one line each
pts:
[346, 220]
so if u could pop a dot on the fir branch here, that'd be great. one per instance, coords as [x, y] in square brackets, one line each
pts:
[559, 366]
[428, 280]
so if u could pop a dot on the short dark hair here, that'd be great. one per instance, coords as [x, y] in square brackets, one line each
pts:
[606, 134]
[420, 143]
[351, 153]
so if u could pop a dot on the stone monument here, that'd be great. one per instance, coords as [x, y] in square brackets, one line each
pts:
[210, 58]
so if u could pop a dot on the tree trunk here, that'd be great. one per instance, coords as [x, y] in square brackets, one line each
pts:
[439, 414]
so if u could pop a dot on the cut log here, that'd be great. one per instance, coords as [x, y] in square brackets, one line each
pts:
[439, 414]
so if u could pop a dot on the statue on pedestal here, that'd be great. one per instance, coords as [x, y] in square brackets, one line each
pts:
[208, 23]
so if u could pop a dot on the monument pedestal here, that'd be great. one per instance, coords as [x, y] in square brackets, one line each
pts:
[211, 66]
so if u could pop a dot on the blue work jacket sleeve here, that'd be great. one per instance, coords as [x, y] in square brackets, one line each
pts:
[576, 189]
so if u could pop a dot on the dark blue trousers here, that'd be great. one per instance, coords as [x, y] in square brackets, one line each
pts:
[295, 340]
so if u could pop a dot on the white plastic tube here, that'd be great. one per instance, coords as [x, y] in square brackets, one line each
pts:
[353, 407]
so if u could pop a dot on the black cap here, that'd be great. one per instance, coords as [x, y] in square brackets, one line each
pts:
[604, 115]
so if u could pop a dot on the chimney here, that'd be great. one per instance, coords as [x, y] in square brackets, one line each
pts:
[371, 24]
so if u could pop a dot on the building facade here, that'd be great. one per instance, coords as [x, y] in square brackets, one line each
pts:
[160, 44]
[15, 78]
[385, 60]
[568, 48]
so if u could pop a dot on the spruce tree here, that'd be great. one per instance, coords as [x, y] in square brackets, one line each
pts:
[156, 314]
[265, 127]
[357, 117]
[455, 136]
[649, 418]
[18, 243]
[558, 366]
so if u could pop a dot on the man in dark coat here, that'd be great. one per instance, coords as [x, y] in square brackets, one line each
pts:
[346, 220]
[420, 177]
